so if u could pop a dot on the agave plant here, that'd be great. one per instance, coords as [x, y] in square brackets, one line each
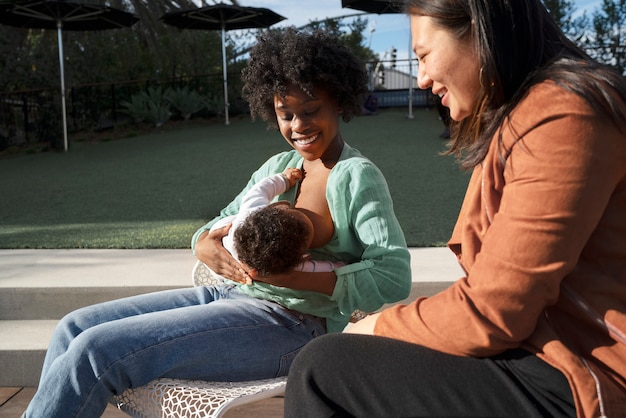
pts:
[185, 101]
[150, 106]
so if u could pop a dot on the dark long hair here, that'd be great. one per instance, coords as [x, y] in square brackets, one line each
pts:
[519, 45]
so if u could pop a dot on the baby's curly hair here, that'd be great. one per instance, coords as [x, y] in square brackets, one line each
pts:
[307, 59]
[271, 240]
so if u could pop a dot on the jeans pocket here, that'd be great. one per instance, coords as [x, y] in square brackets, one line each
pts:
[286, 360]
[315, 327]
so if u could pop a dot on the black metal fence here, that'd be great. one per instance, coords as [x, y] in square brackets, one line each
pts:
[33, 116]
[27, 117]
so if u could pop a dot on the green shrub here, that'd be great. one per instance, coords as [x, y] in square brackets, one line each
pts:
[150, 106]
[185, 101]
[136, 108]
[215, 104]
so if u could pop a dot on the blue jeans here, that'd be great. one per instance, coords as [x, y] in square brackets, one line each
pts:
[206, 333]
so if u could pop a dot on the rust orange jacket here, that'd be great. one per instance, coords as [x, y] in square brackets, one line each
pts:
[541, 236]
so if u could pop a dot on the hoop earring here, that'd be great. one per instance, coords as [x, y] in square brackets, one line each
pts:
[480, 79]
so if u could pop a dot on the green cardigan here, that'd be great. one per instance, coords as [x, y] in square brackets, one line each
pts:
[367, 237]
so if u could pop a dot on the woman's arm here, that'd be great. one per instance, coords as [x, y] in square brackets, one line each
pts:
[321, 282]
[366, 228]
[522, 229]
[207, 246]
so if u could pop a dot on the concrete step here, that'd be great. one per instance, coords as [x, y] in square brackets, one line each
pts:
[22, 349]
[53, 303]
[47, 284]
[24, 342]
[38, 287]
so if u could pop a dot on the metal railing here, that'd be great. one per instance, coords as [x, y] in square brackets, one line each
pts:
[27, 117]
[33, 116]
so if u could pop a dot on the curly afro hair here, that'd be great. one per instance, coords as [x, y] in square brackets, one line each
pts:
[271, 240]
[306, 59]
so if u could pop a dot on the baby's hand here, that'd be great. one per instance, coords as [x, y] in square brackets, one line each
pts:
[292, 175]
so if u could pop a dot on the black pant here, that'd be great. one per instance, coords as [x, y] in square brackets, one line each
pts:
[342, 375]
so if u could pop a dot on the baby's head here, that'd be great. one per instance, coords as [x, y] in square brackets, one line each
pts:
[274, 239]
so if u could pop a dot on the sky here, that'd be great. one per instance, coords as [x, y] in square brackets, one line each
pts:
[383, 31]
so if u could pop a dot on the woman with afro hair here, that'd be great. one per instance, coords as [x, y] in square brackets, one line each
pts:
[301, 84]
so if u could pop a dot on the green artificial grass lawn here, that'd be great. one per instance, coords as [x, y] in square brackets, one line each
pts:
[156, 190]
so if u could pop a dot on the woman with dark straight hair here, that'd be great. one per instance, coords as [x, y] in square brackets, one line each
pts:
[537, 326]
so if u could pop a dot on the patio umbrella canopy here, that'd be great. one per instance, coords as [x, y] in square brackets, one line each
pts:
[222, 17]
[64, 15]
[374, 6]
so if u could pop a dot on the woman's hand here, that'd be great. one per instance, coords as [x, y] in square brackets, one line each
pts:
[364, 326]
[210, 251]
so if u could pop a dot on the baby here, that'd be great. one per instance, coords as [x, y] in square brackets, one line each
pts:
[272, 238]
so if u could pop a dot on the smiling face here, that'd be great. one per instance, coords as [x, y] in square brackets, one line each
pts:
[309, 124]
[448, 65]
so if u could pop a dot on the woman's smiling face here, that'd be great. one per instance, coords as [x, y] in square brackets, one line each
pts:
[447, 65]
[310, 124]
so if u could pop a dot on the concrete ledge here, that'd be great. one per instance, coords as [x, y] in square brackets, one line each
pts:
[102, 268]
[22, 350]
[95, 268]
[434, 265]
[21, 368]
[24, 342]
[31, 303]
[37, 287]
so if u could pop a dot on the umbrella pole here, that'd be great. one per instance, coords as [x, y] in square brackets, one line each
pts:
[60, 38]
[410, 115]
[226, 104]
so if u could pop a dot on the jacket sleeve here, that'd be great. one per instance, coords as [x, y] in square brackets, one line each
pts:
[522, 228]
[366, 226]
